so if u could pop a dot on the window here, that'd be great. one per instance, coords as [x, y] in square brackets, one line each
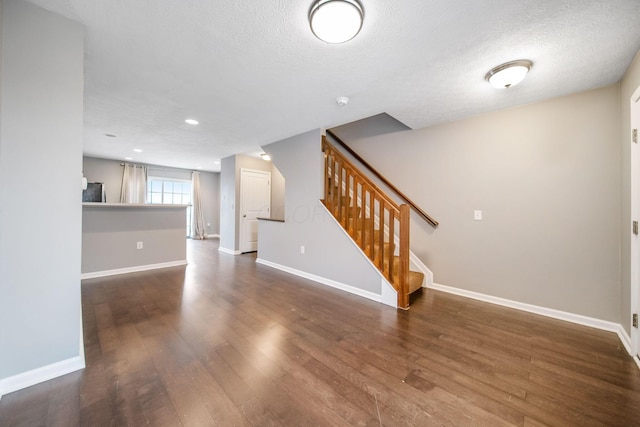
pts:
[170, 192]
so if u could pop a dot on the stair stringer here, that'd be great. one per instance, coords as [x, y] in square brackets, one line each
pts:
[415, 263]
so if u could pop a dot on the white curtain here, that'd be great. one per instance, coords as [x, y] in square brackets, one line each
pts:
[198, 229]
[134, 184]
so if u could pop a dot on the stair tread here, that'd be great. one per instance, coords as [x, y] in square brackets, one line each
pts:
[415, 281]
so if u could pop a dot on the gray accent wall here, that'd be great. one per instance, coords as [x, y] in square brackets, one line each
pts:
[228, 203]
[110, 235]
[210, 186]
[329, 252]
[547, 179]
[109, 172]
[278, 189]
[630, 83]
[40, 188]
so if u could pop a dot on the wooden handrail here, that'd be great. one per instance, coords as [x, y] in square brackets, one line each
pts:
[415, 207]
[356, 203]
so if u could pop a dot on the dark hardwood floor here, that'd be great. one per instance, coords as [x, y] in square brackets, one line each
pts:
[224, 341]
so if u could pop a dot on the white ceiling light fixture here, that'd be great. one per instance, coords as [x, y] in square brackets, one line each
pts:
[342, 101]
[265, 157]
[508, 74]
[336, 21]
[191, 121]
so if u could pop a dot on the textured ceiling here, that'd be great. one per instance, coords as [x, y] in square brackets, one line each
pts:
[252, 72]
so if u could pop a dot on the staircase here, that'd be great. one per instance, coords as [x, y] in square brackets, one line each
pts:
[372, 219]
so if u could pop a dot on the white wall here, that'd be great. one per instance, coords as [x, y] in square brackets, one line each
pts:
[40, 188]
[109, 172]
[329, 251]
[547, 178]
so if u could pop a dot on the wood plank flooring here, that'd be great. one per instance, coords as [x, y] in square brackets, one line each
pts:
[226, 342]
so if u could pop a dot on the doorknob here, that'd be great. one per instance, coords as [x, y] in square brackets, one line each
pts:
[244, 216]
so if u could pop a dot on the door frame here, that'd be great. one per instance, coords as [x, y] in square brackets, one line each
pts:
[242, 227]
[634, 122]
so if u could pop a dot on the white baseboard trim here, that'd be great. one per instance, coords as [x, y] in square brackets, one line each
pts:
[228, 251]
[135, 269]
[36, 376]
[417, 262]
[543, 311]
[213, 236]
[322, 280]
[626, 340]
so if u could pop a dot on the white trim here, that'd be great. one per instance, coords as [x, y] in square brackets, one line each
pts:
[389, 295]
[322, 280]
[634, 304]
[44, 373]
[417, 263]
[592, 322]
[134, 269]
[625, 339]
[212, 236]
[228, 251]
[81, 339]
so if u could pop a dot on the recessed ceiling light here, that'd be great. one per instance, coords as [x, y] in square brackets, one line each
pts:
[198, 167]
[336, 21]
[137, 150]
[110, 135]
[128, 158]
[508, 74]
[216, 162]
[191, 121]
[265, 156]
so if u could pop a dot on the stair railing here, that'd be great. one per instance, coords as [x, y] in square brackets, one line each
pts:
[395, 189]
[364, 211]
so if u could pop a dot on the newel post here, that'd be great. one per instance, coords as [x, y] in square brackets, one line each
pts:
[403, 273]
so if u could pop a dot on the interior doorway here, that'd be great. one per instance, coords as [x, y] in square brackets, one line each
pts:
[635, 215]
[255, 202]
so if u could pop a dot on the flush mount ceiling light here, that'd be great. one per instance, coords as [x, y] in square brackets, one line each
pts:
[342, 101]
[191, 121]
[508, 74]
[336, 21]
[265, 156]
[137, 150]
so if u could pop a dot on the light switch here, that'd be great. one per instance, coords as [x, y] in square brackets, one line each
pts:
[477, 215]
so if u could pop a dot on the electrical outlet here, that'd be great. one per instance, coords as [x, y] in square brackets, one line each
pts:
[477, 215]
[302, 250]
[139, 245]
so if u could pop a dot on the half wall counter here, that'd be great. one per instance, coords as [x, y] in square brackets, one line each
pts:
[120, 238]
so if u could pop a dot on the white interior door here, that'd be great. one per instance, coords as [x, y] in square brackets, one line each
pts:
[635, 216]
[255, 202]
